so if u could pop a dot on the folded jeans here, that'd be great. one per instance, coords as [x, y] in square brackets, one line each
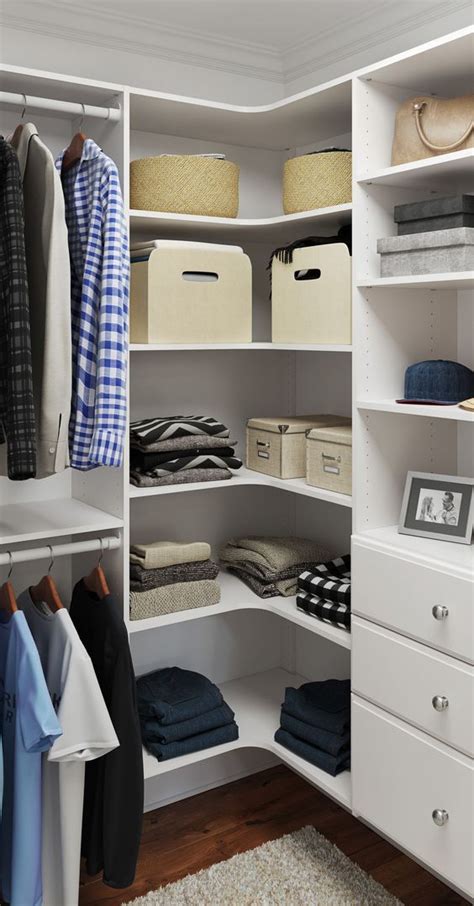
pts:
[332, 743]
[154, 731]
[217, 737]
[330, 764]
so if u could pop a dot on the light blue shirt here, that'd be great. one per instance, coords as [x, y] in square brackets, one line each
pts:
[28, 726]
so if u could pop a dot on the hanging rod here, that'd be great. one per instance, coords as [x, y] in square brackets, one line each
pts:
[76, 109]
[59, 550]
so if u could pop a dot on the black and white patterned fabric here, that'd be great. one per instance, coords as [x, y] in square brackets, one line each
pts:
[329, 581]
[184, 463]
[149, 431]
[327, 611]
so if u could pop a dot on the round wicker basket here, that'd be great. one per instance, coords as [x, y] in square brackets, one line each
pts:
[185, 185]
[317, 181]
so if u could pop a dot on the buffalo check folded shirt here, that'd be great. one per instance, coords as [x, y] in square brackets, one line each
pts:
[325, 592]
[98, 250]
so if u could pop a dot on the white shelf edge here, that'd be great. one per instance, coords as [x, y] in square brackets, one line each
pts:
[453, 413]
[451, 162]
[85, 519]
[287, 347]
[239, 222]
[458, 559]
[243, 478]
[455, 280]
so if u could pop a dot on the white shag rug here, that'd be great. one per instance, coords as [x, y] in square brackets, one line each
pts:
[300, 869]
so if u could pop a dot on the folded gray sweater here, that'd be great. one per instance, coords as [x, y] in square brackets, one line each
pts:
[142, 579]
[271, 558]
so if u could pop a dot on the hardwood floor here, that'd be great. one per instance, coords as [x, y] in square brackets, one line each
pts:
[186, 836]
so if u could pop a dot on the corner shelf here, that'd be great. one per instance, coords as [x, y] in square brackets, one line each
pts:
[447, 170]
[459, 280]
[52, 518]
[246, 477]
[208, 347]
[256, 701]
[453, 413]
[236, 596]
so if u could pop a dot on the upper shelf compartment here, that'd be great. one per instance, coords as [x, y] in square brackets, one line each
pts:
[311, 116]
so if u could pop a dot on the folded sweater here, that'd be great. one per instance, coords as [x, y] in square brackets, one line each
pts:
[196, 460]
[173, 694]
[271, 555]
[330, 581]
[142, 461]
[155, 602]
[141, 480]
[326, 611]
[143, 579]
[150, 430]
[191, 442]
[158, 554]
[285, 587]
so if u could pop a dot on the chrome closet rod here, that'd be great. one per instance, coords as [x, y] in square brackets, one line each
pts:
[30, 102]
[23, 555]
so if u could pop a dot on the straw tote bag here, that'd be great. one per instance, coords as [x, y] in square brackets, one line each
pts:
[425, 127]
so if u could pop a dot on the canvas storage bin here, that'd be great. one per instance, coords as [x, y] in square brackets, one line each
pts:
[190, 296]
[185, 184]
[329, 458]
[435, 214]
[311, 297]
[276, 446]
[441, 251]
[317, 180]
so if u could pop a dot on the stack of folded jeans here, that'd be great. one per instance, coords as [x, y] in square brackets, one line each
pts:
[271, 566]
[179, 449]
[168, 576]
[182, 712]
[315, 724]
[325, 592]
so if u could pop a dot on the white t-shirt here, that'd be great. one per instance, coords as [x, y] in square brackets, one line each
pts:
[88, 733]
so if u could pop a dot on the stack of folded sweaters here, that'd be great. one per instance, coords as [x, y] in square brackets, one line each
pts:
[315, 724]
[179, 449]
[325, 592]
[167, 576]
[182, 712]
[271, 566]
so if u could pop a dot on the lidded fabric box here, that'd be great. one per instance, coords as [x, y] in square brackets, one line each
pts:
[189, 295]
[441, 251]
[329, 457]
[435, 214]
[276, 446]
[311, 297]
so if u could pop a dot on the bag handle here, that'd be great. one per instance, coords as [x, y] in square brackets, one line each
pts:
[418, 110]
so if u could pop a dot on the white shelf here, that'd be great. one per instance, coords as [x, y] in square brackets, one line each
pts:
[245, 477]
[457, 558]
[454, 413]
[158, 224]
[460, 280]
[192, 347]
[53, 518]
[256, 701]
[235, 595]
[442, 173]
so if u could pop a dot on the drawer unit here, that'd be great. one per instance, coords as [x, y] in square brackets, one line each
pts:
[426, 604]
[416, 791]
[428, 689]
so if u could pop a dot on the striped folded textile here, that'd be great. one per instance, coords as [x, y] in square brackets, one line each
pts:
[322, 609]
[186, 463]
[151, 430]
[145, 461]
[330, 581]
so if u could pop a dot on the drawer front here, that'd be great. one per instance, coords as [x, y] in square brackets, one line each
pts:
[399, 778]
[401, 594]
[430, 690]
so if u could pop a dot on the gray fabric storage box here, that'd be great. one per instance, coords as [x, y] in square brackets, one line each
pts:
[442, 251]
[276, 446]
[329, 458]
[447, 213]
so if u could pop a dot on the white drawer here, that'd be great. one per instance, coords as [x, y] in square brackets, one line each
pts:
[399, 778]
[413, 682]
[401, 594]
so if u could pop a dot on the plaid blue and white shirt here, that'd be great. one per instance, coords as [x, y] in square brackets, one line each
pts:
[99, 253]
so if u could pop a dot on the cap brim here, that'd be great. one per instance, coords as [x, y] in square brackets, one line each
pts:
[429, 402]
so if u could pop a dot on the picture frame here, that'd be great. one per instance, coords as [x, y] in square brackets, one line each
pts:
[438, 506]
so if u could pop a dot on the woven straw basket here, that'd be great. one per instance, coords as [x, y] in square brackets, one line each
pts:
[185, 185]
[317, 181]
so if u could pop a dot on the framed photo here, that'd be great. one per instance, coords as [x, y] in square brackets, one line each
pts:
[438, 506]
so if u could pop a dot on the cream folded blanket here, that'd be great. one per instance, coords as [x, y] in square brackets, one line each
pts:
[271, 556]
[158, 554]
[172, 598]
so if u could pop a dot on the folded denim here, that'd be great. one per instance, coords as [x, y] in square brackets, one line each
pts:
[189, 476]
[142, 461]
[332, 743]
[142, 579]
[173, 694]
[217, 737]
[154, 731]
[321, 705]
[330, 764]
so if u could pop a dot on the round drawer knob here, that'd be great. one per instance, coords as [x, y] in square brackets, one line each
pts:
[440, 612]
[440, 817]
[440, 703]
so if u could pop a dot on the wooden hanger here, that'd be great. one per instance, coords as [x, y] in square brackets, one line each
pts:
[73, 153]
[16, 135]
[96, 581]
[46, 589]
[7, 595]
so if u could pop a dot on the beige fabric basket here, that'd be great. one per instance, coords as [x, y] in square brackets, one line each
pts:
[317, 181]
[276, 446]
[173, 301]
[329, 458]
[184, 184]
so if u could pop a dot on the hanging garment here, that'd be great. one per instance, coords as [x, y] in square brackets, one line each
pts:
[98, 248]
[49, 282]
[113, 800]
[28, 727]
[17, 415]
[87, 734]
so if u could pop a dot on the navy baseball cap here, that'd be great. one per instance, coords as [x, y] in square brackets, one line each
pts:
[439, 382]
